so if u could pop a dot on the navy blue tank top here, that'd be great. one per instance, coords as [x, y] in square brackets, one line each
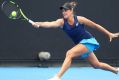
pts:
[76, 32]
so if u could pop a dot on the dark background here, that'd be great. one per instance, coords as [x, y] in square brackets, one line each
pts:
[20, 41]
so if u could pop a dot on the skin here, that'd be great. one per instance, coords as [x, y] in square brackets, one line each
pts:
[79, 49]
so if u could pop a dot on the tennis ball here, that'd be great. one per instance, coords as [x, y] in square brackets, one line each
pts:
[14, 13]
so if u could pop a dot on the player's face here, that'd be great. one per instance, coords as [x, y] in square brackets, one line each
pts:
[67, 13]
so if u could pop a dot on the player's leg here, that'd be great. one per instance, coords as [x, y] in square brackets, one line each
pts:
[74, 52]
[92, 59]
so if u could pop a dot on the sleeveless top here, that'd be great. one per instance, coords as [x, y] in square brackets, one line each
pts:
[76, 32]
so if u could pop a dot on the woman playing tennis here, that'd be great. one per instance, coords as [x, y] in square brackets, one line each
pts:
[85, 43]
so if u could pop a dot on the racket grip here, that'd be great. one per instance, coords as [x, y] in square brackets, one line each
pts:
[32, 22]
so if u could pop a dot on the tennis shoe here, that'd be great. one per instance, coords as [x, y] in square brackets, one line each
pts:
[118, 70]
[55, 78]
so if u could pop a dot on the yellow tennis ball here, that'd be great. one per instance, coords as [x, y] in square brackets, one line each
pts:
[14, 13]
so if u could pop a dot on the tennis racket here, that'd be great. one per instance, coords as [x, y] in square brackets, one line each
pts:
[13, 11]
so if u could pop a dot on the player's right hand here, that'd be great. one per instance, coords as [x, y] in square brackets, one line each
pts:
[36, 25]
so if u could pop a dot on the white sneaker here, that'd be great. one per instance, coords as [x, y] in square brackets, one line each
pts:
[117, 70]
[55, 78]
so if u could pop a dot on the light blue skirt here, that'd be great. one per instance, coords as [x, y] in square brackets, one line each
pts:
[91, 45]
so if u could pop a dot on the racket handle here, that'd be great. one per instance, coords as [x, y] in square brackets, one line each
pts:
[32, 22]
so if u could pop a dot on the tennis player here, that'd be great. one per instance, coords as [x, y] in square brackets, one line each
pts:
[85, 43]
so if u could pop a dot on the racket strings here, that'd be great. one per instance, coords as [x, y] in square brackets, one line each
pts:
[13, 11]
[8, 7]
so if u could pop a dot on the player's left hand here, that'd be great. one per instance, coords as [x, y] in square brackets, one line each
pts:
[113, 35]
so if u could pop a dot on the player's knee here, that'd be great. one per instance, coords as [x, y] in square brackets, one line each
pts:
[69, 54]
[97, 65]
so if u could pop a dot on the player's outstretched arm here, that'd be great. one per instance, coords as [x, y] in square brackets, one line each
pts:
[98, 27]
[49, 24]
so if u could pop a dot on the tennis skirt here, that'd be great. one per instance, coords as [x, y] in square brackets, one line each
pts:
[91, 45]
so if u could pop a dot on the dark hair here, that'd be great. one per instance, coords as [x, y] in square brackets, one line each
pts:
[69, 5]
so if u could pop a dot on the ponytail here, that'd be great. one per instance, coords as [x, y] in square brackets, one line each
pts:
[73, 4]
[69, 5]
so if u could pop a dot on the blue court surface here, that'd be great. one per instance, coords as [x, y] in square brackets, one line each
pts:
[38, 73]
